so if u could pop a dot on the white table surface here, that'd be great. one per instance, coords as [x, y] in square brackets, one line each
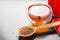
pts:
[13, 15]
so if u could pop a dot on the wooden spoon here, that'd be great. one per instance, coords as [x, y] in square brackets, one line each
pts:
[27, 31]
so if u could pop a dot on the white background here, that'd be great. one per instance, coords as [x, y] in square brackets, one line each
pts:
[13, 15]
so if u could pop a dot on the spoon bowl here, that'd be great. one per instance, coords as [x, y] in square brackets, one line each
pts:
[26, 31]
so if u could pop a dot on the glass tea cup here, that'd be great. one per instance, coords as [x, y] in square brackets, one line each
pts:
[39, 13]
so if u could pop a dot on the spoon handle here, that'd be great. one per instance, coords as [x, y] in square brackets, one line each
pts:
[49, 25]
